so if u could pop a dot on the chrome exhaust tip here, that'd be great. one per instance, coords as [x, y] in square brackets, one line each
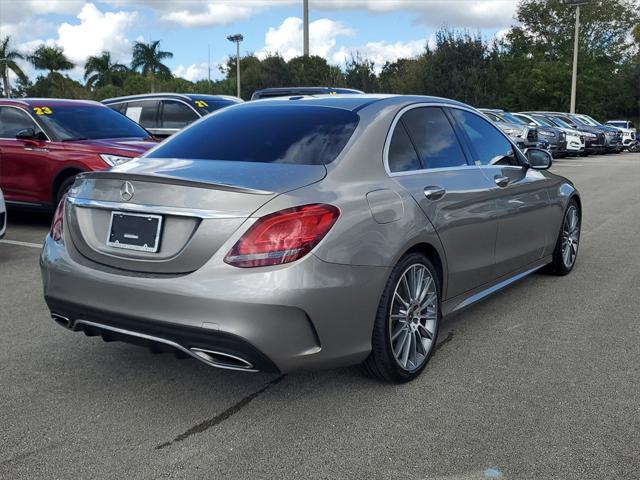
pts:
[61, 320]
[221, 359]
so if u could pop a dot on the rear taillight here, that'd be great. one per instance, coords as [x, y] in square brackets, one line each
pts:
[283, 236]
[57, 224]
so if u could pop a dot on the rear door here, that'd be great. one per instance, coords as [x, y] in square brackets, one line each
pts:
[24, 164]
[521, 195]
[144, 113]
[426, 157]
[174, 116]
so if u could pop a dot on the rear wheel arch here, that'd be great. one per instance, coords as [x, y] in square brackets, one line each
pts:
[432, 254]
[59, 180]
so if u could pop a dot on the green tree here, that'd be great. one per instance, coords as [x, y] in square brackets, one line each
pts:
[147, 57]
[57, 85]
[360, 74]
[8, 57]
[52, 59]
[100, 71]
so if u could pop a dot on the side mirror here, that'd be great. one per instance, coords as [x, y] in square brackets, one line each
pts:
[26, 134]
[538, 158]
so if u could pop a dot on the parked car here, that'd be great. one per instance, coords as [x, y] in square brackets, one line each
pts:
[304, 233]
[164, 114]
[45, 142]
[594, 138]
[628, 131]
[612, 135]
[556, 137]
[524, 135]
[295, 91]
[3, 216]
[570, 141]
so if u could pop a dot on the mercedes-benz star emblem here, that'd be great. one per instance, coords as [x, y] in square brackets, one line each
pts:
[126, 191]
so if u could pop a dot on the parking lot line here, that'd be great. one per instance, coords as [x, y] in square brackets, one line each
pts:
[22, 244]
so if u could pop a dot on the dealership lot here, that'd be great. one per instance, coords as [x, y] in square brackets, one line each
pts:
[539, 381]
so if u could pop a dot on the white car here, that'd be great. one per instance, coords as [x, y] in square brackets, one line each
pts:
[628, 130]
[575, 138]
[3, 215]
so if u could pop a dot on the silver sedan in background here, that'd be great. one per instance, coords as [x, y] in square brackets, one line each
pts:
[308, 232]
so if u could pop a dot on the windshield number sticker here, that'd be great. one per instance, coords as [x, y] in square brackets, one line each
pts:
[201, 103]
[42, 110]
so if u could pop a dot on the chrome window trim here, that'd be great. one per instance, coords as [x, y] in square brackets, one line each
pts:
[148, 209]
[137, 97]
[30, 118]
[406, 108]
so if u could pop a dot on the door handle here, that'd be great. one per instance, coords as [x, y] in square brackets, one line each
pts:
[501, 180]
[434, 193]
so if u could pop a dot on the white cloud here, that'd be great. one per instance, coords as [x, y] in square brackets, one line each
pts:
[215, 14]
[286, 39]
[474, 14]
[97, 31]
[194, 72]
[381, 52]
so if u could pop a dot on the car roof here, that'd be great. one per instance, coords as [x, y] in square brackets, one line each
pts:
[180, 96]
[353, 102]
[51, 102]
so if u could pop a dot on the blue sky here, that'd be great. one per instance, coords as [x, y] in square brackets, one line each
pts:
[379, 29]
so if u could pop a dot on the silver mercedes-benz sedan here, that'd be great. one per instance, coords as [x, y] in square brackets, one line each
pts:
[308, 232]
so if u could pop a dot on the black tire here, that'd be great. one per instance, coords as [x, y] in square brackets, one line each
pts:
[381, 362]
[64, 188]
[559, 266]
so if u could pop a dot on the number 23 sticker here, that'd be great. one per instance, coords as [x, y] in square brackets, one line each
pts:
[42, 110]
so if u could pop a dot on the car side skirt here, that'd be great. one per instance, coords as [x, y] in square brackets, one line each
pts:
[467, 299]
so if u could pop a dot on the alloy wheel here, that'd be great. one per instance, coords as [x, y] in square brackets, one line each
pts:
[570, 236]
[413, 318]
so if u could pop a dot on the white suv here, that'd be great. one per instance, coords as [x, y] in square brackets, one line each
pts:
[628, 131]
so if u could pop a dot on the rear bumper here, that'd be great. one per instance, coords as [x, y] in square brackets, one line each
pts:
[305, 315]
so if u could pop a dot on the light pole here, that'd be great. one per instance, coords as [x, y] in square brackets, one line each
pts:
[6, 76]
[574, 76]
[237, 38]
[306, 27]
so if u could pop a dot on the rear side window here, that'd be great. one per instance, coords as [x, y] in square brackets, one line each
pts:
[143, 112]
[490, 145]
[177, 114]
[13, 120]
[402, 155]
[294, 134]
[434, 138]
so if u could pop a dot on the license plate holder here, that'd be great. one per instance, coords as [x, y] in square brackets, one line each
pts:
[135, 231]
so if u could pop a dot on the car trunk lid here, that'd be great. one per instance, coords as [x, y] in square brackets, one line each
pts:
[193, 206]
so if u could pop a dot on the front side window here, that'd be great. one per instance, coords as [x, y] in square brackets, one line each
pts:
[13, 120]
[176, 114]
[434, 138]
[402, 156]
[490, 145]
[293, 134]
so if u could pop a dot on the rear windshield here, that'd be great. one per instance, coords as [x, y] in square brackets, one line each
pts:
[85, 122]
[305, 135]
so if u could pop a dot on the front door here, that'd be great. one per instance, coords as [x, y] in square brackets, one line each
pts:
[23, 163]
[522, 201]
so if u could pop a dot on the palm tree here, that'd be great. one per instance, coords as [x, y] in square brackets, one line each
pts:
[50, 58]
[8, 59]
[148, 58]
[100, 71]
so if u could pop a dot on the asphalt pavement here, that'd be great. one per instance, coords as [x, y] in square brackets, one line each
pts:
[541, 381]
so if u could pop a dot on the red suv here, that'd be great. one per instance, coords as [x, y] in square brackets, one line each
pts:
[45, 142]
